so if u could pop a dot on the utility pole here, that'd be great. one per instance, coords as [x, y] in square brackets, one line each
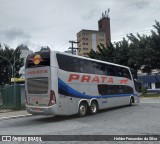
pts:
[72, 48]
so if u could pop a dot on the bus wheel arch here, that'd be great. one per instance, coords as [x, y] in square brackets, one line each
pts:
[82, 109]
[93, 108]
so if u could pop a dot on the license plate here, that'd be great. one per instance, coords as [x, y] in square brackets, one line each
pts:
[37, 109]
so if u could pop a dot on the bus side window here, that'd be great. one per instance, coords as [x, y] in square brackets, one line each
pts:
[107, 70]
[64, 62]
[111, 70]
[126, 73]
[68, 63]
[86, 66]
[120, 89]
[99, 68]
[119, 72]
[75, 64]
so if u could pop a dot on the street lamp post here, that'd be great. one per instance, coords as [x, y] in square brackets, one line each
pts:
[14, 77]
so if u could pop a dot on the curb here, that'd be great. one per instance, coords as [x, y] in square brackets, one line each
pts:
[149, 97]
[14, 117]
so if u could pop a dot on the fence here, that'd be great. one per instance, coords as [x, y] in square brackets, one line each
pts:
[10, 97]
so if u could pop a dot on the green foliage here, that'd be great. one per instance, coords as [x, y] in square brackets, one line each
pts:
[137, 52]
[10, 64]
[144, 91]
[151, 95]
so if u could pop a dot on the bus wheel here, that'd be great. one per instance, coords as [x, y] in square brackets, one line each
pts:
[131, 101]
[82, 109]
[93, 107]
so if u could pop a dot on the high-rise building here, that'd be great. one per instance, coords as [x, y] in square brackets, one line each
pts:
[90, 39]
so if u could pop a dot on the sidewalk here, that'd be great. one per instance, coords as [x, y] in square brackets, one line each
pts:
[6, 114]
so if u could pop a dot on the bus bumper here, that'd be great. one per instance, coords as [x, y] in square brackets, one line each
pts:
[52, 110]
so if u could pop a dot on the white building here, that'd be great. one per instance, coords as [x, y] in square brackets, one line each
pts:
[24, 53]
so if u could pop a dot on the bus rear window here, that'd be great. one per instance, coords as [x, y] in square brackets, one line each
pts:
[37, 85]
[38, 59]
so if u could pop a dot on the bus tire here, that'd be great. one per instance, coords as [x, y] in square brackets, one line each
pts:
[93, 109]
[82, 109]
[131, 101]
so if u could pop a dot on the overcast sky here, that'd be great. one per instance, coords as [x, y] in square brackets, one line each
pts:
[39, 23]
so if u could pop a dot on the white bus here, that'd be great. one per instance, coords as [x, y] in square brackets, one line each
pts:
[64, 84]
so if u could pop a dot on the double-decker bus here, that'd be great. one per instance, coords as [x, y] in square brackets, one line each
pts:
[58, 83]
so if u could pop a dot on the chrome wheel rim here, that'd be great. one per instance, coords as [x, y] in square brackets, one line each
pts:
[93, 108]
[82, 110]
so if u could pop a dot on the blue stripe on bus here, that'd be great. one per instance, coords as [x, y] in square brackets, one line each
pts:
[68, 91]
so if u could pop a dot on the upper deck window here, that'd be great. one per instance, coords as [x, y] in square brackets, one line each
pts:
[80, 65]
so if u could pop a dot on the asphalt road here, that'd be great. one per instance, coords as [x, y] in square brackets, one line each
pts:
[140, 119]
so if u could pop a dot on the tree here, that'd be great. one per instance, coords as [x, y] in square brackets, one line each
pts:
[122, 52]
[103, 53]
[10, 64]
[19, 62]
[153, 48]
[138, 52]
[137, 49]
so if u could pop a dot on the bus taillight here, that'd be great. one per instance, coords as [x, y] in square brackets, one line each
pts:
[52, 100]
[26, 101]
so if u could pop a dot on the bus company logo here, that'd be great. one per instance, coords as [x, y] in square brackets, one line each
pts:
[37, 59]
[95, 79]
[124, 81]
[37, 72]
[90, 79]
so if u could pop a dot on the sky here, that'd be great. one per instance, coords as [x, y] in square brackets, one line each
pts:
[53, 23]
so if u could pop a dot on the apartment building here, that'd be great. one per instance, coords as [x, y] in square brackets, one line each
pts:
[90, 39]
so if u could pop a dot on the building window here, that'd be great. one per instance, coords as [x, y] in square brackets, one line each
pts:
[85, 43]
[85, 53]
[84, 38]
[101, 34]
[101, 39]
[85, 49]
